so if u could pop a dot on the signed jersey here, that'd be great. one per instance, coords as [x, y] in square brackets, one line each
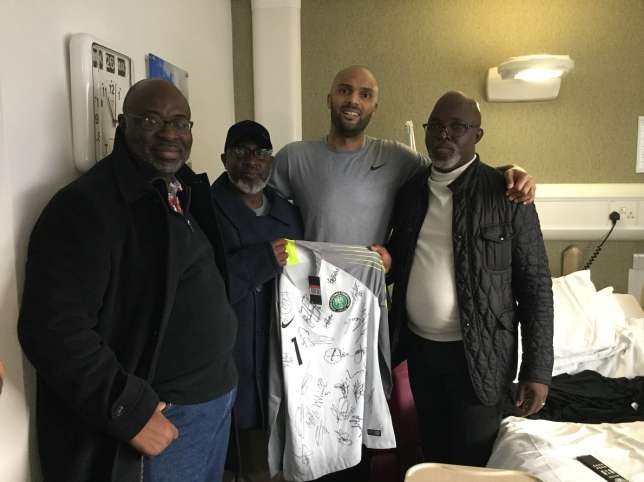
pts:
[326, 389]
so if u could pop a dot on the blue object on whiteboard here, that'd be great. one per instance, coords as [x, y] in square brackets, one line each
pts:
[162, 69]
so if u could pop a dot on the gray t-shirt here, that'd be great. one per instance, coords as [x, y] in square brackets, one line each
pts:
[344, 197]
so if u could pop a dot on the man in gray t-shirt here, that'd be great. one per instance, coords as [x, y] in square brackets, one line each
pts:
[346, 182]
[344, 196]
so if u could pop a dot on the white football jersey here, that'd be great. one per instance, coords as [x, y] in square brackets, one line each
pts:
[326, 387]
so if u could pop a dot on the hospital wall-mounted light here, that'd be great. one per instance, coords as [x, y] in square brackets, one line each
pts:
[527, 78]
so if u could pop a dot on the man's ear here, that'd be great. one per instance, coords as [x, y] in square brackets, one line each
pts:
[328, 100]
[479, 135]
[223, 159]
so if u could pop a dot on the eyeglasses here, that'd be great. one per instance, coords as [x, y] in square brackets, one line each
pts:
[241, 152]
[453, 129]
[154, 123]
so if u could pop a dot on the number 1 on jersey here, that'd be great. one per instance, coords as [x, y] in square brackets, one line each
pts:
[297, 350]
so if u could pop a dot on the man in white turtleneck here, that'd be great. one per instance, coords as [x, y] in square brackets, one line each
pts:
[432, 289]
[468, 266]
[431, 282]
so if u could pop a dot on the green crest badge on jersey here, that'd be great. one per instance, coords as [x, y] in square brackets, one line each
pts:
[339, 301]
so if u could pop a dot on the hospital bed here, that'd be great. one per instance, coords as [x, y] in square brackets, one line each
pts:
[594, 330]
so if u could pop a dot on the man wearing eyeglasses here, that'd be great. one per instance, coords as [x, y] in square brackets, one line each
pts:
[254, 221]
[468, 266]
[125, 313]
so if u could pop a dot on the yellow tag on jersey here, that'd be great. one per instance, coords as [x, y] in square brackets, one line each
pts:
[291, 252]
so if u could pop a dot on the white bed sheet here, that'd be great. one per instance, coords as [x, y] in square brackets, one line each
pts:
[547, 449]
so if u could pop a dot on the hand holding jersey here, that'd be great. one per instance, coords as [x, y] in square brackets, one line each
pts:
[279, 250]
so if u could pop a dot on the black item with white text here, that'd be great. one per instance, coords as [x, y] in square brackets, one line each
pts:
[600, 468]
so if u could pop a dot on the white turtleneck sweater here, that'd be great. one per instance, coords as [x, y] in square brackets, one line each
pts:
[432, 306]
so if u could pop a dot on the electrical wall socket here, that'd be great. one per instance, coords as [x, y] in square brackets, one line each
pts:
[627, 212]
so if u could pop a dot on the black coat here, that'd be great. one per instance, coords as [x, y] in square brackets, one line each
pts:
[502, 278]
[98, 292]
[252, 269]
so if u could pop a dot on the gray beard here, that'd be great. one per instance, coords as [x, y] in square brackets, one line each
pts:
[247, 187]
[448, 164]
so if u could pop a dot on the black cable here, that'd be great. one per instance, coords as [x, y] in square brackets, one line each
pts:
[614, 217]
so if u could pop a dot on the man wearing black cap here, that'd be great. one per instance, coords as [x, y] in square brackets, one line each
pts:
[254, 221]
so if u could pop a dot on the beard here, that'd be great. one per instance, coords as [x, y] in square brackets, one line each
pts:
[166, 168]
[252, 187]
[351, 130]
[449, 164]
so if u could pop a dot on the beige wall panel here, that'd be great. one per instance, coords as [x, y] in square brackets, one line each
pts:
[420, 48]
[243, 59]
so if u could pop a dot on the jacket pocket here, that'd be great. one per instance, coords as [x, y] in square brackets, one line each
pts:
[507, 321]
[497, 246]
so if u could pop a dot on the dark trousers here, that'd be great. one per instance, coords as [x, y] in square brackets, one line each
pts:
[455, 427]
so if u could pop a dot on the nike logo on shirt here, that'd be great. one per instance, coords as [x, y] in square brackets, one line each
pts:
[284, 325]
[373, 168]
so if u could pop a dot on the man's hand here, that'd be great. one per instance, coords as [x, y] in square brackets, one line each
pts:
[156, 434]
[384, 255]
[279, 250]
[521, 185]
[531, 397]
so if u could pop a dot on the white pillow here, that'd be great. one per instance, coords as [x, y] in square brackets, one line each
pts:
[607, 309]
[580, 323]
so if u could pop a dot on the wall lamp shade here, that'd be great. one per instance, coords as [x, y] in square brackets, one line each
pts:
[528, 78]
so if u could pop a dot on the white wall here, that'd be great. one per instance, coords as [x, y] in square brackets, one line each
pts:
[36, 142]
[14, 410]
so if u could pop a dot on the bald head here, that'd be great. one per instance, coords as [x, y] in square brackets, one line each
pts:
[352, 100]
[455, 100]
[154, 115]
[356, 71]
[143, 89]
[453, 130]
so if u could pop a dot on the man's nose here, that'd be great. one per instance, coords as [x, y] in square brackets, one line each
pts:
[443, 133]
[354, 98]
[251, 161]
[168, 131]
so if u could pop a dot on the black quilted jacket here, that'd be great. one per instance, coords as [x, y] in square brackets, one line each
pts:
[502, 278]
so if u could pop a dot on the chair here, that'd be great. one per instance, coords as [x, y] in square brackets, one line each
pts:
[461, 473]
